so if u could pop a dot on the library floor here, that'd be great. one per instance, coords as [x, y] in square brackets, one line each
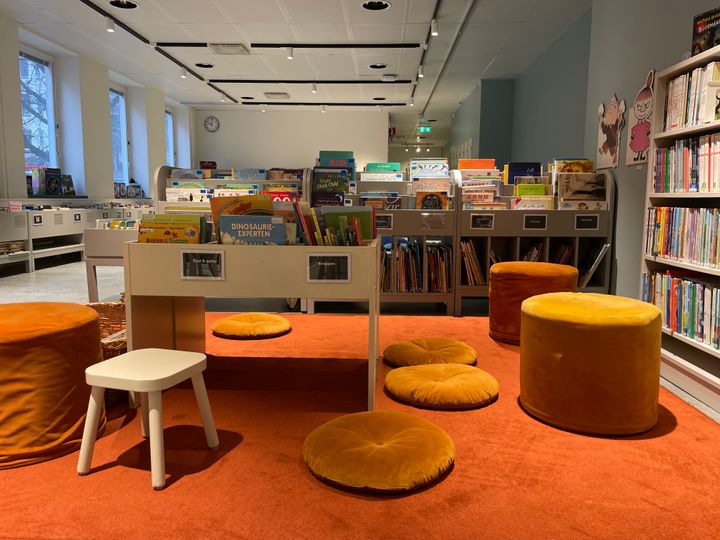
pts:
[67, 283]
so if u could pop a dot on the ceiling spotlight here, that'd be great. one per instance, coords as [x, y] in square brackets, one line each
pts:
[314, 88]
[324, 109]
[433, 28]
[417, 149]
[183, 73]
[290, 55]
[222, 98]
[418, 138]
[406, 149]
[263, 109]
[427, 150]
[412, 102]
[379, 108]
[420, 72]
[109, 25]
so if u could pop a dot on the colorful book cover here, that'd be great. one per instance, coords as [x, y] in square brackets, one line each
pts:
[336, 154]
[706, 29]
[331, 179]
[281, 195]
[431, 200]
[581, 186]
[532, 202]
[431, 184]
[250, 229]
[381, 176]
[186, 174]
[242, 204]
[171, 229]
[391, 166]
[285, 174]
[365, 215]
[482, 163]
[328, 198]
[522, 168]
[530, 189]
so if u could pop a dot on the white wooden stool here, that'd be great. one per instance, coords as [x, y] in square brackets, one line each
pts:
[147, 372]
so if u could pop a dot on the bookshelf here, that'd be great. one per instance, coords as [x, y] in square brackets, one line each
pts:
[680, 273]
[568, 236]
[14, 232]
[166, 309]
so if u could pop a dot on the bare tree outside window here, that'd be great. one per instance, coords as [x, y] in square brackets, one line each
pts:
[118, 125]
[38, 123]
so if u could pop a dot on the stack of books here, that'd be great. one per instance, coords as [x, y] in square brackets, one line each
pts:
[431, 183]
[333, 172]
[174, 229]
[482, 184]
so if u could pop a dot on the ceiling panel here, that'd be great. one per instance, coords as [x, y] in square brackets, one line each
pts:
[389, 33]
[312, 11]
[161, 32]
[411, 11]
[336, 66]
[268, 33]
[146, 12]
[188, 11]
[504, 10]
[213, 33]
[247, 12]
[322, 33]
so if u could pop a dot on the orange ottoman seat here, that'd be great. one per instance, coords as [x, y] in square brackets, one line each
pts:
[513, 282]
[590, 362]
[44, 350]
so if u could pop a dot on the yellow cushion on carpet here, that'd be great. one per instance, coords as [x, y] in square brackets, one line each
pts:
[386, 451]
[590, 362]
[442, 386]
[429, 351]
[251, 326]
[514, 281]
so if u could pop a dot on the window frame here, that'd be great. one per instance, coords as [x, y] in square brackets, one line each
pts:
[36, 55]
[171, 113]
[122, 91]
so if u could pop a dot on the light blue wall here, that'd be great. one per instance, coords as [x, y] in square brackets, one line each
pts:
[549, 115]
[496, 124]
[627, 40]
[466, 122]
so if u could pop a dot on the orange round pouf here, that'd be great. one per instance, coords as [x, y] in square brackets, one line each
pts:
[44, 350]
[384, 451]
[513, 282]
[251, 326]
[432, 350]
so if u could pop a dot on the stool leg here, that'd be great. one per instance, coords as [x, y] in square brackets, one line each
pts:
[203, 402]
[90, 431]
[157, 450]
[143, 412]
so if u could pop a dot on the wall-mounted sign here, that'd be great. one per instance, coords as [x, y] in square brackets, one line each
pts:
[77, 217]
[587, 222]
[328, 268]
[537, 222]
[424, 129]
[202, 265]
[384, 221]
[37, 219]
[105, 215]
[482, 221]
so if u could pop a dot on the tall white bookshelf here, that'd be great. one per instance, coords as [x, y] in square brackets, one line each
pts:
[688, 360]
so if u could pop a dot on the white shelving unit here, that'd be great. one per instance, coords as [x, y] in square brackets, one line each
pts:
[692, 365]
[14, 228]
[104, 247]
[56, 232]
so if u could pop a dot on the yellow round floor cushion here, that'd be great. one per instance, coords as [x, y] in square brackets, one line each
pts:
[430, 351]
[386, 451]
[251, 326]
[442, 386]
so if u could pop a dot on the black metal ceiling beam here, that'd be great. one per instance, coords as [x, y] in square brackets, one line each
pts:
[179, 63]
[336, 45]
[305, 81]
[117, 21]
[320, 104]
[211, 85]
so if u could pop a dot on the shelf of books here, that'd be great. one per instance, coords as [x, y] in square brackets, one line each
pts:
[523, 221]
[681, 264]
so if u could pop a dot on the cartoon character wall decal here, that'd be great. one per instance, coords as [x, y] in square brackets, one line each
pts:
[610, 124]
[641, 124]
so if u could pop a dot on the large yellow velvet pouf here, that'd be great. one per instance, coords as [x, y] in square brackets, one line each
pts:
[251, 326]
[385, 451]
[590, 362]
[44, 350]
[442, 386]
[429, 351]
[513, 282]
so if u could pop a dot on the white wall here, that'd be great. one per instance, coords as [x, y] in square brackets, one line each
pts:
[399, 154]
[12, 153]
[289, 138]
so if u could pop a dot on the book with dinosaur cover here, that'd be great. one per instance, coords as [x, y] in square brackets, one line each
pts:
[251, 229]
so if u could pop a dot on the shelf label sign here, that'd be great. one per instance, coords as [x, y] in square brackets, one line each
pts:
[587, 222]
[328, 268]
[77, 217]
[384, 221]
[37, 219]
[202, 265]
[535, 222]
[482, 221]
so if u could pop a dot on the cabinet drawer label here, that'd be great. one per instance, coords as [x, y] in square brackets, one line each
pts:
[37, 219]
[482, 221]
[587, 222]
[202, 265]
[328, 268]
[535, 222]
[384, 221]
[77, 217]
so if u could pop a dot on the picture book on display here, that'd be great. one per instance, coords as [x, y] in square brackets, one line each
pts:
[522, 168]
[431, 200]
[242, 204]
[706, 31]
[581, 186]
[251, 229]
[335, 226]
[173, 229]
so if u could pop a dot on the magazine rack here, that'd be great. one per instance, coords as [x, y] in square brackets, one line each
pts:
[167, 309]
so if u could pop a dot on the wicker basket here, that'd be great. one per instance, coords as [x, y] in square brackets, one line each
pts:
[112, 327]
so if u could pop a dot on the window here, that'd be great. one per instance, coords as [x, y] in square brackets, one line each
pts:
[169, 139]
[118, 125]
[38, 114]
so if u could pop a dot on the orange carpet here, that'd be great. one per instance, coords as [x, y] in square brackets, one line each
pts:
[514, 477]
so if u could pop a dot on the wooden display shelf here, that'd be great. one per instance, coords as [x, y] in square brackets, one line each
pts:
[168, 311]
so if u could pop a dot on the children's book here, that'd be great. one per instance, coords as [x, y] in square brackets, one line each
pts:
[243, 204]
[522, 168]
[431, 200]
[251, 229]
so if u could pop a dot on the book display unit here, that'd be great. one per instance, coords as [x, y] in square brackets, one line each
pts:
[580, 238]
[681, 266]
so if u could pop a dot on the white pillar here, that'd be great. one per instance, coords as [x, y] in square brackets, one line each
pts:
[147, 134]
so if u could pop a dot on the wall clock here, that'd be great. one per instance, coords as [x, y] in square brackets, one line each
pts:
[212, 124]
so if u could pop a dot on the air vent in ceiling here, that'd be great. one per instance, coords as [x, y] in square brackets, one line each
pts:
[228, 48]
[277, 95]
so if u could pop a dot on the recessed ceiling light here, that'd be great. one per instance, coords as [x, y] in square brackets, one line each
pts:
[417, 149]
[204, 65]
[376, 6]
[246, 97]
[378, 66]
[428, 150]
[123, 4]
[378, 99]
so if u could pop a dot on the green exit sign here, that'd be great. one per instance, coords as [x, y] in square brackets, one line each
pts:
[424, 129]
